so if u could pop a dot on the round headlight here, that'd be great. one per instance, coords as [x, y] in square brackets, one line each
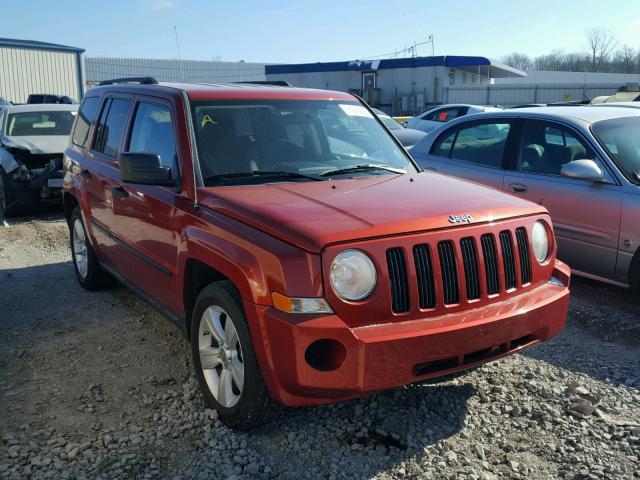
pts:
[353, 275]
[540, 240]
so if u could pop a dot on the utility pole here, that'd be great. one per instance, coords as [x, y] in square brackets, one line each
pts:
[433, 48]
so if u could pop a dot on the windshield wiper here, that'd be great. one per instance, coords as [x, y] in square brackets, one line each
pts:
[362, 168]
[262, 173]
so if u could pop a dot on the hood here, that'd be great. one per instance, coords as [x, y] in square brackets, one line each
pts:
[312, 215]
[408, 136]
[39, 144]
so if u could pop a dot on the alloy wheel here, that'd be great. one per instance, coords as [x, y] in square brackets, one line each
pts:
[80, 249]
[221, 356]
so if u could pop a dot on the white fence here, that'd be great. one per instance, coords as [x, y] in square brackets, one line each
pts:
[512, 95]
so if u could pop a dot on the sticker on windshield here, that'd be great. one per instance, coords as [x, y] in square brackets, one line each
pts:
[355, 110]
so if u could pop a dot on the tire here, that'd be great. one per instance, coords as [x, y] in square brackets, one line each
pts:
[230, 380]
[85, 263]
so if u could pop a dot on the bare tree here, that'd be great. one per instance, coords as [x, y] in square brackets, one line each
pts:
[521, 61]
[600, 42]
[625, 60]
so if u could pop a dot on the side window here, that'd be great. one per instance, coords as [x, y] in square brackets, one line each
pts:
[448, 114]
[482, 143]
[442, 146]
[433, 116]
[86, 115]
[152, 132]
[546, 147]
[111, 126]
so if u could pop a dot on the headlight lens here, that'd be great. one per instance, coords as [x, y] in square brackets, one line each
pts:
[540, 240]
[353, 275]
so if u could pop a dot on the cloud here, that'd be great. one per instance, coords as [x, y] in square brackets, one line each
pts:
[161, 5]
[635, 23]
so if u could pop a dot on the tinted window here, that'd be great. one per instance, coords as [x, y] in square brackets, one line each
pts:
[111, 126]
[546, 147]
[152, 132]
[442, 146]
[86, 115]
[482, 143]
[445, 114]
[39, 123]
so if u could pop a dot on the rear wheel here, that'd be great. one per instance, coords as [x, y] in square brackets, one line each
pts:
[225, 360]
[85, 263]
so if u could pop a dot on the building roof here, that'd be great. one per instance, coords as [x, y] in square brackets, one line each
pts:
[470, 64]
[33, 44]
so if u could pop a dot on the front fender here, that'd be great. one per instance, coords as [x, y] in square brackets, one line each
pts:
[257, 263]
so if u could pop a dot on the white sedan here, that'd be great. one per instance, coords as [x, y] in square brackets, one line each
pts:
[431, 119]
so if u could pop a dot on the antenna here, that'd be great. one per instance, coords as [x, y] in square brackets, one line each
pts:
[175, 31]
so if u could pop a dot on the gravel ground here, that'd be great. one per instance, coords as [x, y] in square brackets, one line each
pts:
[98, 385]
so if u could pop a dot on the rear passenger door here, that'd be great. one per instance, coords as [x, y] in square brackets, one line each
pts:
[474, 151]
[585, 214]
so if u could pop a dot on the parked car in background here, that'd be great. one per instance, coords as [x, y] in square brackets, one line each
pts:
[32, 141]
[433, 118]
[305, 268]
[50, 98]
[582, 163]
[408, 137]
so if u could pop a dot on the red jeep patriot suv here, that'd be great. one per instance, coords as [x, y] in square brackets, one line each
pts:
[297, 244]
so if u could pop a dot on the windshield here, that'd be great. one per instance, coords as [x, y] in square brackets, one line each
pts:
[620, 137]
[40, 123]
[291, 140]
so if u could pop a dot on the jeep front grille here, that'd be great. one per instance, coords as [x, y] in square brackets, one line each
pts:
[455, 269]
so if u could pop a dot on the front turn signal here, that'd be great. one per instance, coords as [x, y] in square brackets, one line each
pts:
[300, 304]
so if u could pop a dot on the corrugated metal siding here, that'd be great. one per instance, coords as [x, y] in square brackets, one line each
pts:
[24, 71]
[512, 95]
[171, 70]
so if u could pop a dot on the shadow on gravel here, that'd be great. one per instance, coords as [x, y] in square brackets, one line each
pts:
[368, 435]
[42, 213]
[601, 334]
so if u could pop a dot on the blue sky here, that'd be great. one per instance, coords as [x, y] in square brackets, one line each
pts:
[288, 31]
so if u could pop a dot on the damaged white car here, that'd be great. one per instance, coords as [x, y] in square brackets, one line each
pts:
[32, 141]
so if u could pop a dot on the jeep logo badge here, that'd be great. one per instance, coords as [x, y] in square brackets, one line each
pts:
[460, 218]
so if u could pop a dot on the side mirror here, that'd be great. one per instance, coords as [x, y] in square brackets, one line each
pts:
[145, 169]
[583, 169]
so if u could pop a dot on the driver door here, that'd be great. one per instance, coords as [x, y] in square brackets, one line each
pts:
[585, 214]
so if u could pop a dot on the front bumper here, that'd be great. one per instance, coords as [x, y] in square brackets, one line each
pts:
[389, 355]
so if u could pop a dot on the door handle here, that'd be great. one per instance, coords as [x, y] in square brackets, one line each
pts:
[85, 174]
[518, 187]
[119, 192]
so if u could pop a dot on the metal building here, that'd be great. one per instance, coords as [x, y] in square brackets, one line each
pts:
[399, 86]
[172, 70]
[28, 66]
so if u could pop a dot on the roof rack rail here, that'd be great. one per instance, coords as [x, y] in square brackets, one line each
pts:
[140, 80]
[275, 83]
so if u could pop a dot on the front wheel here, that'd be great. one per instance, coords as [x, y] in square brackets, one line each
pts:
[225, 360]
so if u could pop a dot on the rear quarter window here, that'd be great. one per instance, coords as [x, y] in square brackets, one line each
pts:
[86, 115]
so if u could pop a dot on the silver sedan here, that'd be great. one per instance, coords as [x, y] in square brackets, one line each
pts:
[582, 163]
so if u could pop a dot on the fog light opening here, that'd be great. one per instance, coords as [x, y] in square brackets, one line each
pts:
[325, 355]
